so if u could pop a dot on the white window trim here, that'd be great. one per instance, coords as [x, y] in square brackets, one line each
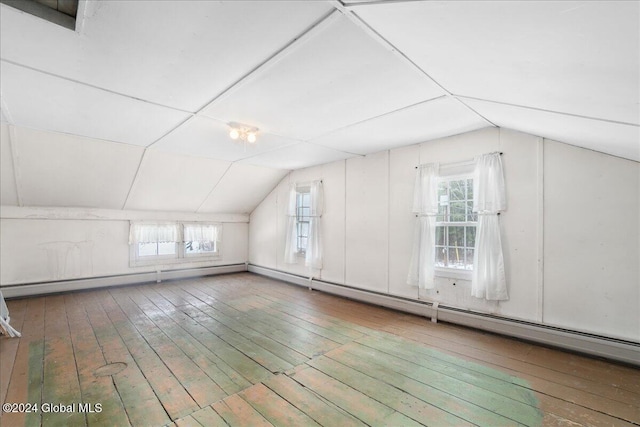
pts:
[203, 256]
[301, 189]
[180, 257]
[450, 272]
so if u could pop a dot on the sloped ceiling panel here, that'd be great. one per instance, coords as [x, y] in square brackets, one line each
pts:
[172, 182]
[241, 189]
[297, 156]
[612, 138]
[8, 194]
[175, 53]
[335, 77]
[65, 170]
[204, 137]
[45, 102]
[574, 57]
[419, 123]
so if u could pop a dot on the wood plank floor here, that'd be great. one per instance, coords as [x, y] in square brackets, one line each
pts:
[244, 350]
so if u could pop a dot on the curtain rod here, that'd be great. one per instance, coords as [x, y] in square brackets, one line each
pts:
[459, 163]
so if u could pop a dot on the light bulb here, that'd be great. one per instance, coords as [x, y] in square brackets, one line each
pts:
[251, 137]
[234, 134]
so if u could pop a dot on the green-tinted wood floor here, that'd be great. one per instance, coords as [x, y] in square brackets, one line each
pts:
[243, 350]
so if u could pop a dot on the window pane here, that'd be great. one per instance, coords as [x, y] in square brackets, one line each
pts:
[471, 237]
[147, 249]
[456, 190]
[440, 230]
[441, 256]
[302, 243]
[470, 189]
[456, 236]
[304, 229]
[469, 254]
[456, 258]
[166, 248]
[203, 247]
[442, 190]
[306, 199]
[470, 214]
[457, 210]
[209, 246]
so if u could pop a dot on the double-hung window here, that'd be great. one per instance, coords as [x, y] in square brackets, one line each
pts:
[455, 224]
[173, 242]
[201, 239]
[153, 242]
[303, 216]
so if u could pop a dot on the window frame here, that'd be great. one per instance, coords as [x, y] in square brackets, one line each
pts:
[202, 255]
[301, 191]
[446, 271]
[180, 256]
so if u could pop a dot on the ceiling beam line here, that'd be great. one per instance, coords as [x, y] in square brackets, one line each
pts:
[213, 188]
[356, 19]
[375, 2]
[112, 92]
[272, 59]
[546, 110]
[13, 140]
[15, 159]
[406, 107]
[311, 31]
[134, 182]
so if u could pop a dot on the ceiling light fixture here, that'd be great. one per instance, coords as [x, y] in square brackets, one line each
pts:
[244, 133]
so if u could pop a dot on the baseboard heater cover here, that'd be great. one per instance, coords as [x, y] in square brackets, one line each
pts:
[595, 345]
[30, 289]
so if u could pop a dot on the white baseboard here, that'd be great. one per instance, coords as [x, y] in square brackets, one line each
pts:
[595, 345]
[29, 289]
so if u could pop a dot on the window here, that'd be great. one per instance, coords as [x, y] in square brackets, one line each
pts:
[303, 214]
[200, 239]
[162, 243]
[455, 223]
[151, 242]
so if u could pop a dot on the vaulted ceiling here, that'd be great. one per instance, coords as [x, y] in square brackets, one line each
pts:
[131, 110]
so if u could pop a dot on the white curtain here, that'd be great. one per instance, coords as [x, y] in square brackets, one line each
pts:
[291, 243]
[313, 255]
[425, 206]
[200, 233]
[153, 233]
[488, 280]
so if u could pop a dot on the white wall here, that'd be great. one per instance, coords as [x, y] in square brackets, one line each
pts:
[558, 270]
[41, 245]
[592, 277]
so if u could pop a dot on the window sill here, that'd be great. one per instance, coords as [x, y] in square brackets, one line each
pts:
[452, 273]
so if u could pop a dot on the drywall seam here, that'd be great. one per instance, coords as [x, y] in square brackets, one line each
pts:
[15, 157]
[540, 228]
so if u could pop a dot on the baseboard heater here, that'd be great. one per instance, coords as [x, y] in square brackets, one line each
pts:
[595, 345]
[41, 288]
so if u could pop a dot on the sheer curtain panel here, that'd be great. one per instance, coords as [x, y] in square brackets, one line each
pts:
[153, 233]
[425, 206]
[313, 255]
[488, 280]
[200, 233]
